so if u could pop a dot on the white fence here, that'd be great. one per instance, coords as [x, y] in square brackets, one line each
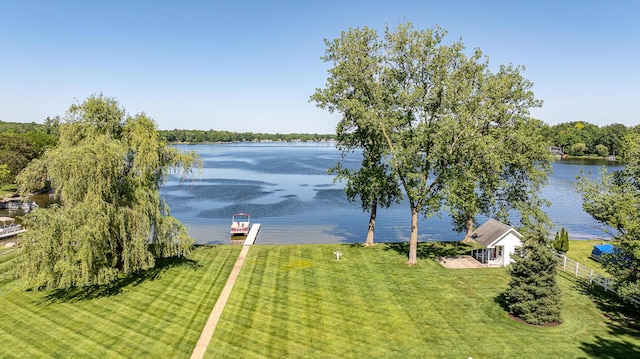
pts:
[581, 271]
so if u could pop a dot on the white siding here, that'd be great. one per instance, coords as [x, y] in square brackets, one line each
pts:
[509, 242]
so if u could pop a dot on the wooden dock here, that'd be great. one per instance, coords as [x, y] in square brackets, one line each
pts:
[250, 238]
[253, 234]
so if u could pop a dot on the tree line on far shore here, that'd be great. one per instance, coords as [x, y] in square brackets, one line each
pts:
[580, 138]
[23, 142]
[215, 136]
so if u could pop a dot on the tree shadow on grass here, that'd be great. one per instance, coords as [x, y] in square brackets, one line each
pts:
[115, 288]
[625, 321]
[608, 348]
[622, 314]
[501, 300]
[431, 250]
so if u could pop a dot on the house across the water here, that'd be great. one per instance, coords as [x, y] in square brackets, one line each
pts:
[498, 242]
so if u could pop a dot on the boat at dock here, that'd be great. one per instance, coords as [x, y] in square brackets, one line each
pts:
[9, 228]
[240, 224]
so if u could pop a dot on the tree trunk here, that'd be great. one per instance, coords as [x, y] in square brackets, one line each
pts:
[413, 241]
[372, 224]
[467, 237]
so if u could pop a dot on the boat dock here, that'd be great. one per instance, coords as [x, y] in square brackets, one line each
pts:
[17, 203]
[253, 234]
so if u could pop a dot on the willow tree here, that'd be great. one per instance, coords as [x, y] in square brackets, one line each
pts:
[354, 90]
[110, 220]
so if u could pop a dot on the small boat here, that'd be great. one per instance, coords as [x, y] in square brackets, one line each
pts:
[9, 228]
[240, 223]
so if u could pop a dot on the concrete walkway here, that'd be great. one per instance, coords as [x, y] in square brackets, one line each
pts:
[216, 312]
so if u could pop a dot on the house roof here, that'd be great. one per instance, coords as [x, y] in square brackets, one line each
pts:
[491, 232]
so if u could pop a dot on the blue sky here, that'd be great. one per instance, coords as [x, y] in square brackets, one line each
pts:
[252, 65]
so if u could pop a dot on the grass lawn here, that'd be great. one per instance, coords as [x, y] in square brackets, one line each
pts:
[7, 189]
[156, 315]
[298, 301]
[580, 251]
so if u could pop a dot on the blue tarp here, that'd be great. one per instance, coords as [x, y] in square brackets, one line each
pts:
[600, 249]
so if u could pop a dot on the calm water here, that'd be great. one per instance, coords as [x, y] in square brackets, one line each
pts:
[285, 188]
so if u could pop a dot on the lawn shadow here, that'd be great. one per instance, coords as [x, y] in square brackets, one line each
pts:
[608, 348]
[624, 320]
[115, 288]
[431, 250]
[622, 314]
[501, 300]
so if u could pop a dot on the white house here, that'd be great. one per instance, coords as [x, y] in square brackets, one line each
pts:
[498, 241]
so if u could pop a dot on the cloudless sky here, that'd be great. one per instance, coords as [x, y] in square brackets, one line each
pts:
[252, 65]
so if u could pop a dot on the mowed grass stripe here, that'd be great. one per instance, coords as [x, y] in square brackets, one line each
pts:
[158, 316]
[79, 330]
[298, 301]
[13, 333]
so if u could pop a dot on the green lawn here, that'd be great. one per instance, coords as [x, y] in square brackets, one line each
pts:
[298, 301]
[7, 190]
[156, 315]
[580, 251]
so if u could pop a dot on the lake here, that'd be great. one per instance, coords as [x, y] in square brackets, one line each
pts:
[284, 186]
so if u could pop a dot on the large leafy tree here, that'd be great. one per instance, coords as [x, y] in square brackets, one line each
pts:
[107, 170]
[17, 149]
[507, 162]
[533, 294]
[613, 200]
[612, 136]
[354, 90]
[433, 106]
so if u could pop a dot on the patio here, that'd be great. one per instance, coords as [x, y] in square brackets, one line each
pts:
[460, 262]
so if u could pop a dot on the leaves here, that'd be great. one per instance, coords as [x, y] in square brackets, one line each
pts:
[435, 122]
[107, 170]
[533, 294]
[613, 199]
